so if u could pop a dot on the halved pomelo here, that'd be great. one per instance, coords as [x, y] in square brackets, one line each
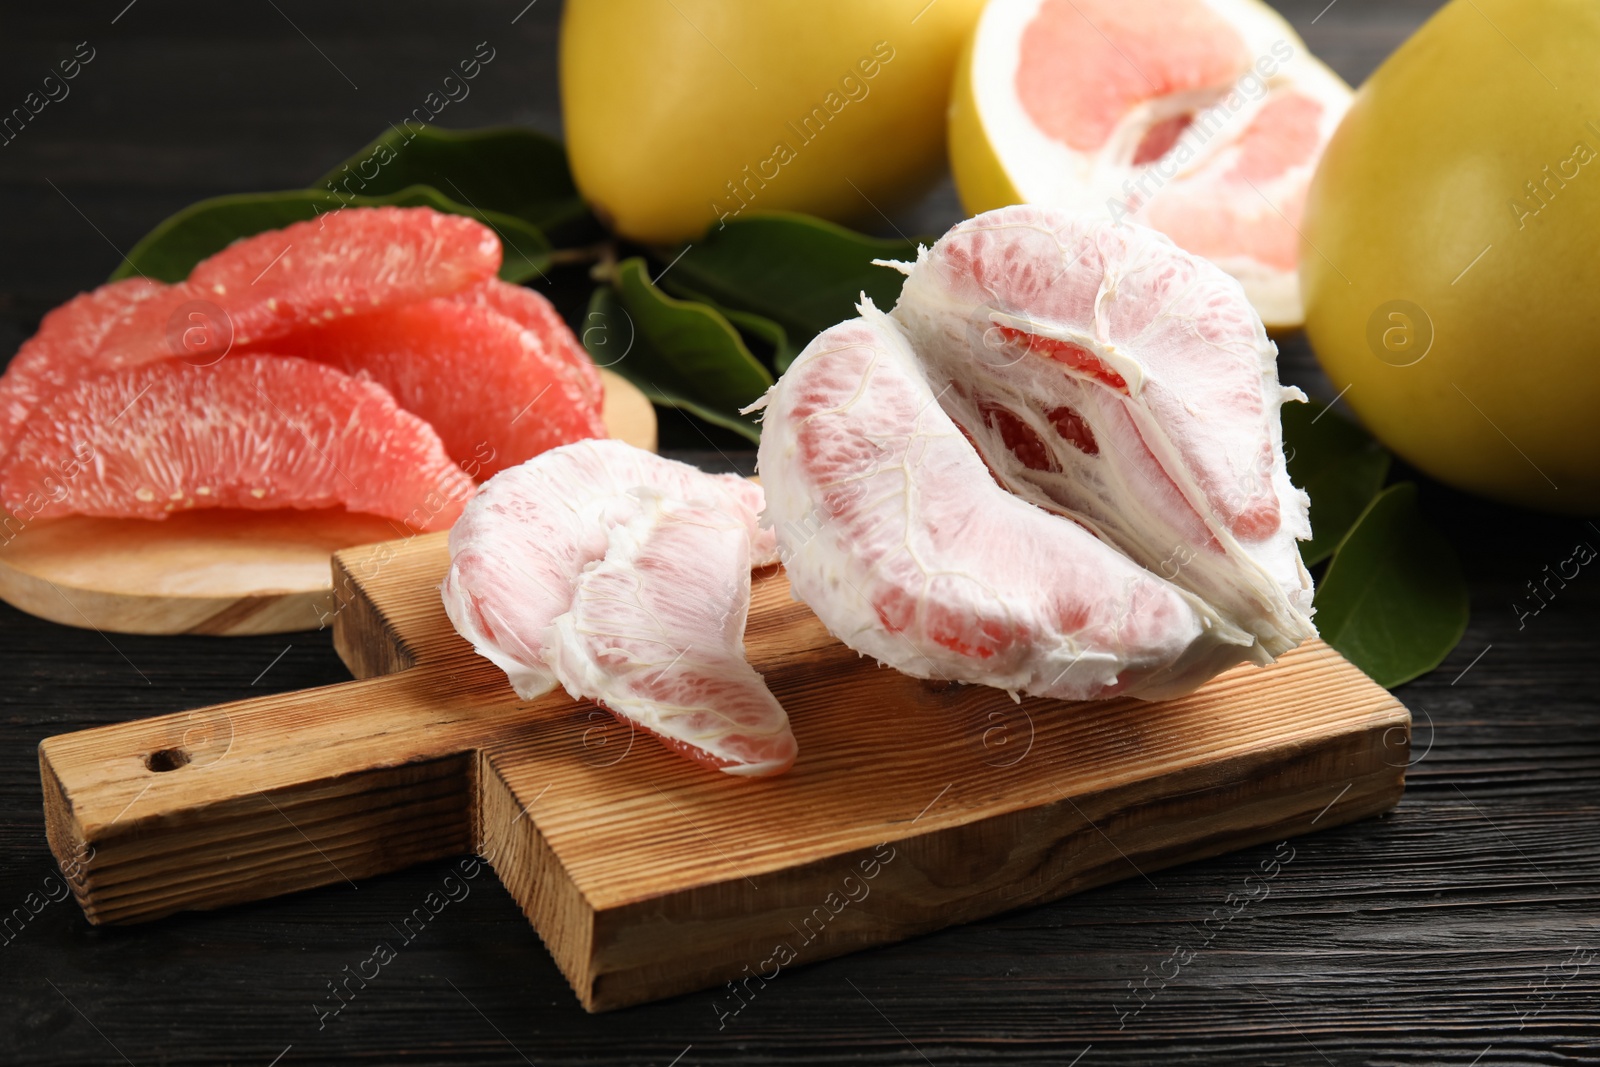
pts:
[498, 393]
[258, 432]
[1200, 118]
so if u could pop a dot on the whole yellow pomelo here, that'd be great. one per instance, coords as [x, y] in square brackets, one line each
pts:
[1451, 263]
[679, 113]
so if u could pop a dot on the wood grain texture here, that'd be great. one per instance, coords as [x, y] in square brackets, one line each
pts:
[648, 876]
[224, 573]
[1433, 935]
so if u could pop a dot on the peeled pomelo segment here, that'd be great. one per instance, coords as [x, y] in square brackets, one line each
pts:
[498, 393]
[518, 549]
[255, 432]
[73, 332]
[66, 340]
[346, 261]
[655, 634]
[522, 305]
[258, 288]
[343, 263]
[1202, 118]
[1182, 470]
[896, 536]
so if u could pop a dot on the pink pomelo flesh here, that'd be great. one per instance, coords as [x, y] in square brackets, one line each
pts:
[254, 432]
[497, 392]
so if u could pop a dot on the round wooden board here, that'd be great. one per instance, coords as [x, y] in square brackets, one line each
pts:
[215, 572]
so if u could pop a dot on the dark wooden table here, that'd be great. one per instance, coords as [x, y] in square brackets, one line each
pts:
[1462, 928]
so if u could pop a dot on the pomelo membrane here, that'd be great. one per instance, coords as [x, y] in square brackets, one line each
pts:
[1055, 468]
[655, 635]
[624, 578]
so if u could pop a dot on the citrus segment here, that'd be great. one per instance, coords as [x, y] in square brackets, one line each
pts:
[534, 312]
[255, 432]
[256, 289]
[655, 634]
[67, 338]
[520, 547]
[347, 261]
[498, 393]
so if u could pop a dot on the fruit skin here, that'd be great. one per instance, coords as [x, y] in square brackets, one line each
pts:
[658, 123]
[1417, 183]
[980, 179]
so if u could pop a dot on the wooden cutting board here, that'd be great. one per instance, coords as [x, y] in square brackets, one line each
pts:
[213, 572]
[912, 806]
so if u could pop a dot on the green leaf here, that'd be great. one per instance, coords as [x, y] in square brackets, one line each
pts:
[169, 252]
[771, 334]
[801, 272]
[505, 169]
[680, 353]
[1393, 601]
[1339, 465]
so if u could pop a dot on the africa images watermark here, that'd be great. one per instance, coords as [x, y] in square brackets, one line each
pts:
[1542, 189]
[455, 888]
[53, 890]
[54, 482]
[1215, 923]
[1583, 554]
[852, 890]
[52, 89]
[853, 87]
[453, 89]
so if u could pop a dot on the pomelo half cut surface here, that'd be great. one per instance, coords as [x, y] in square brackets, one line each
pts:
[498, 392]
[255, 432]
[1203, 119]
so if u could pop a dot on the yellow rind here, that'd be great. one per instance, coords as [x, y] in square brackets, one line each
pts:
[665, 103]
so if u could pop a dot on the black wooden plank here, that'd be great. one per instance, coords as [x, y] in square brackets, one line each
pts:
[1460, 929]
